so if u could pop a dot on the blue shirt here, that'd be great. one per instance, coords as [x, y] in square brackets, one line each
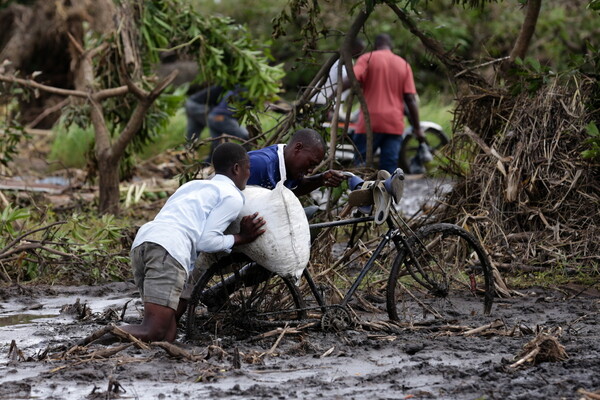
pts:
[194, 218]
[224, 107]
[264, 169]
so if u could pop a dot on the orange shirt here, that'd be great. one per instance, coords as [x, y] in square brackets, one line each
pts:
[384, 78]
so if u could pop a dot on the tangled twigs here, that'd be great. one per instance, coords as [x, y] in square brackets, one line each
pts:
[18, 245]
[527, 173]
[14, 353]
[543, 348]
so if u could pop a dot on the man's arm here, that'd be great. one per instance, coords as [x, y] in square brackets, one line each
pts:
[330, 178]
[410, 99]
[213, 238]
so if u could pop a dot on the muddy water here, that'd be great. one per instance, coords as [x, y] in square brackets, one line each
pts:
[353, 364]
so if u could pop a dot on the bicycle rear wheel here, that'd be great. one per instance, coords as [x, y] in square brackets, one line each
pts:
[230, 301]
[435, 138]
[444, 273]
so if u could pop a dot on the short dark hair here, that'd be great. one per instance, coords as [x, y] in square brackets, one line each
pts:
[309, 138]
[226, 155]
[383, 40]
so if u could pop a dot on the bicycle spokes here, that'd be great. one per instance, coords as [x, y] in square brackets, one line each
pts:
[450, 273]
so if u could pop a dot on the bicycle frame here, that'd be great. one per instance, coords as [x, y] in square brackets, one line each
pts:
[392, 234]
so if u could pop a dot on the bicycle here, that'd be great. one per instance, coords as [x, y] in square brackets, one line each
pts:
[439, 267]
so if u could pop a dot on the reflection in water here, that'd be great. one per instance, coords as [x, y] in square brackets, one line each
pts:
[19, 319]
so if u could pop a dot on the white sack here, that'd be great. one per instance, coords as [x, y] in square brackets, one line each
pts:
[284, 248]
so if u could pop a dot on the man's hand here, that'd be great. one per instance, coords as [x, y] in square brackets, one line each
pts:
[332, 178]
[251, 227]
[419, 135]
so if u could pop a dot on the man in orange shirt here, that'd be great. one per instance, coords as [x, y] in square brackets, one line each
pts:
[387, 83]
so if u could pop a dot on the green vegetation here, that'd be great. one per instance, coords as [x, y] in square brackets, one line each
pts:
[71, 145]
[561, 274]
[435, 109]
[39, 245]
[10, 136]
[593, 141]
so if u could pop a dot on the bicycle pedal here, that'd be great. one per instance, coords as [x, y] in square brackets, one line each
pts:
[360, 197]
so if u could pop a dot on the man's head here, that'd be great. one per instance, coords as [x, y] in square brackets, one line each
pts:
[383, 41]
[304, 151]
[231, 159]
[357, 47]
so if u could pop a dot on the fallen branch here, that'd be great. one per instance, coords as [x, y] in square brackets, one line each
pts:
[589, 395]
[126, 336]
[272, 349]
[109, 352]
[278, 331]
[177, 352]
[96, 335]
[493, 325]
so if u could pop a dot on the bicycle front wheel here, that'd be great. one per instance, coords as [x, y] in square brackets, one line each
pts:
[240, 299]
[444, 273]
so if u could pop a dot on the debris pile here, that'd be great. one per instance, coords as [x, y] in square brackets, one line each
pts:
[529, 194]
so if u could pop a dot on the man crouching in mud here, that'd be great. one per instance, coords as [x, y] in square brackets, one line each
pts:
[192, 220]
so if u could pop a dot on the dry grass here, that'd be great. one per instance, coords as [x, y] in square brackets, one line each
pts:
[528, 194]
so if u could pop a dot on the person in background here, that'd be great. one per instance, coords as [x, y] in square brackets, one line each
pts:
[327, 92]
[197, 107]
[222, 121]
[192, 220]
[387, 83]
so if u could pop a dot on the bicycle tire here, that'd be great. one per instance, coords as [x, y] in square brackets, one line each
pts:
[244, 310]
[435, 138]
[451, 277]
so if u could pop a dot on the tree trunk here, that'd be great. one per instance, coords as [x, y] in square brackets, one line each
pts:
[108, 180]
[527, 30]
[357, 25]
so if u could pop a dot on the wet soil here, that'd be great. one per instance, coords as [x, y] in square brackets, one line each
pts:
[435, 361]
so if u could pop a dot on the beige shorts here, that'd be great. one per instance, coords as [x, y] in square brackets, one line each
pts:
[159, 277]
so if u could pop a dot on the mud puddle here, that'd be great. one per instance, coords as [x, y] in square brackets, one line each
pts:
[429, 362]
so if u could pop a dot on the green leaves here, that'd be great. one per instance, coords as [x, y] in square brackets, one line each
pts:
[594, 5]
[533, 75]
[224, 50]
[11, 133]
[593, 141]
[84, 248]
[8, 216]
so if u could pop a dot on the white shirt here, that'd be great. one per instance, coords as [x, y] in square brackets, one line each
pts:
[194, 218]
[330, 85]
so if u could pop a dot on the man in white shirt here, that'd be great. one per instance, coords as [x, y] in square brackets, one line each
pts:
[327, 92]
[192, 220]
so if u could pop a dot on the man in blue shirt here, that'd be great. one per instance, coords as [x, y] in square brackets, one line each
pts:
[303, 153]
